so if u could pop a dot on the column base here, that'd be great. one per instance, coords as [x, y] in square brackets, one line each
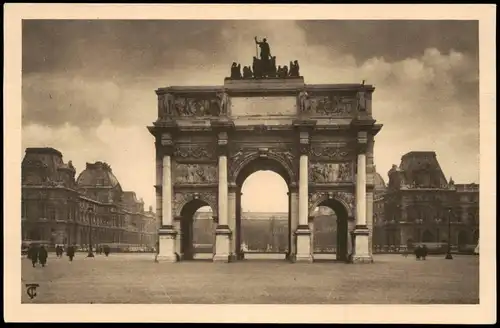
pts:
[167, 237]
[361, 252]
[303, 258]
[222, 244]
[166, 258]
[362, 260]
[303, 238]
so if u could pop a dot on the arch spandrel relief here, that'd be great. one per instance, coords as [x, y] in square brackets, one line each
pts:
[239, 157]
[182, 198]
[347, 199]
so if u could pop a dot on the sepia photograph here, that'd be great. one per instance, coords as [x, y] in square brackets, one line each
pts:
[276, 161]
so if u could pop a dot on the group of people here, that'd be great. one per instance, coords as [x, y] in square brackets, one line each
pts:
[38, 253]
[421, 252]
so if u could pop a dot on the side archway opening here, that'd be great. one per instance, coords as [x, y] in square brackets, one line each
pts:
[197, 230]
[331, 229]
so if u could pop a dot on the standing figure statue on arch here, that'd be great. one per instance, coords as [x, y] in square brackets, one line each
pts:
[265, 64]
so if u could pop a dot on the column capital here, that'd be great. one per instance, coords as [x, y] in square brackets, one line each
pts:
[165, 145]
[293, 188]
[361, 148]
[222, 149]
[362, 142]
[232, 187]
[304, 149]
[158, 189]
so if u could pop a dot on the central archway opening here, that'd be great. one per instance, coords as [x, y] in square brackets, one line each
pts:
[263, 229]
[197, 231]
[331, 237]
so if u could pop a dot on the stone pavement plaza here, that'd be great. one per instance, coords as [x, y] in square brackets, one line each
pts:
[135, 278]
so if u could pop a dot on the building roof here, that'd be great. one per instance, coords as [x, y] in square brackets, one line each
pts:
[97, 175]
[378, 181]
[43, 150]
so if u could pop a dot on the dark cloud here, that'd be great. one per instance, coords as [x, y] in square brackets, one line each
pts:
[394, 40]
[143, 46]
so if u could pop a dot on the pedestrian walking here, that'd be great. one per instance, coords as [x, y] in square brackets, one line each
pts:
[59, 251]
[425, 251]
[42, 255]
[157, 251]
[70, 252]
[33, 254]
[418, 252]
[107, 250]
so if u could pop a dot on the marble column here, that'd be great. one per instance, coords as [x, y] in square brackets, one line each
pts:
[238, 232]
[167, 233]
[311, 228]
[369, 219]
[178, 240]
[303, 233]
[362, 252]
[222, 233]
[294, 221]
[232, 223]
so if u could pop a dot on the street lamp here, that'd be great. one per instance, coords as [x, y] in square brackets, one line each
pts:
[89, 213]
[448, 253]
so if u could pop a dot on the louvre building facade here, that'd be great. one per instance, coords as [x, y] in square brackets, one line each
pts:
[56, 208]
[419, 205]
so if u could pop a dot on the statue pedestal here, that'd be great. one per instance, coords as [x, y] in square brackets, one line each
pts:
[303, 246]
[222, 245]
[361, 246]
[167, 246]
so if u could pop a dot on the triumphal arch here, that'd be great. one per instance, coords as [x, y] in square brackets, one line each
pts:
[318, 137]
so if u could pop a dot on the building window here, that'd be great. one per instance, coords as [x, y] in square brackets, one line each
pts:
[43, 209]
[51, 213]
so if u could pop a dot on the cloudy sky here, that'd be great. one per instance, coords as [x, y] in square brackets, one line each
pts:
[88, 86]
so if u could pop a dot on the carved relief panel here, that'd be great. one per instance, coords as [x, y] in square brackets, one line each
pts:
[332, 104]
[331, 172]
[194, 105]
[195, 173]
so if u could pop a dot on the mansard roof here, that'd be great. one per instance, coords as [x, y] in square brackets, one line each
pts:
[97, 175]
